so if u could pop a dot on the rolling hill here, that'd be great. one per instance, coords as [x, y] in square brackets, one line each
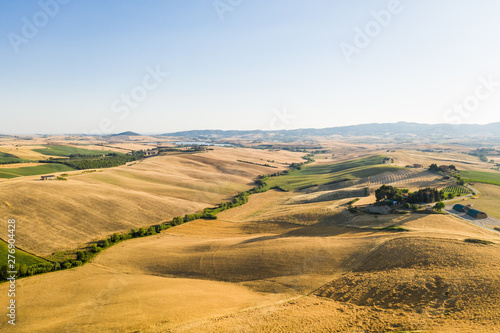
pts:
[62, 215]
[386, 129]
[258, 269]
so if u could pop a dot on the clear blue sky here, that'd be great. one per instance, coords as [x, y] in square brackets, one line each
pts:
[265, 65]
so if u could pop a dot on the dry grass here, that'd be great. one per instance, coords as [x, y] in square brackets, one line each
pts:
[62, 215]
[19, 165]
[97, 299]
[251, 271]
[24, 152]
[275, 264]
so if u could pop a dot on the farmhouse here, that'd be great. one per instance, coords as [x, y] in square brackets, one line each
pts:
[49, 177]
[477, 214]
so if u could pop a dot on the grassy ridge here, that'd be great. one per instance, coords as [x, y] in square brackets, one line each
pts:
[21, 256]
[322, 174]
[5, 157]
[65, 151]
[482, 177]
[32, 171]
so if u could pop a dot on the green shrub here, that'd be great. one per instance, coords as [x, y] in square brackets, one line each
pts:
[478, 241]
[394, 228]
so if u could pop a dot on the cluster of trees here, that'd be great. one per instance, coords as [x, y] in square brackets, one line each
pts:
[449, 170]
[391, 193]
[187, 149]
[443, 168]
[82, 162]
[483, 153]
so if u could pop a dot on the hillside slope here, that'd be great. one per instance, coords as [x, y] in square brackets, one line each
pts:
[60, 215]
[272, 265]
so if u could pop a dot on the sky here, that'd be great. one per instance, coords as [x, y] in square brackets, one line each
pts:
[152, 66]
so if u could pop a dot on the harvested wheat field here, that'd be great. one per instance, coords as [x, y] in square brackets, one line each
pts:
[461, 161]
[274, 265]
[61, 215]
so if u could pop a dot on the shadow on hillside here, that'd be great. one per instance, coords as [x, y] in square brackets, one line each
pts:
[335, 225]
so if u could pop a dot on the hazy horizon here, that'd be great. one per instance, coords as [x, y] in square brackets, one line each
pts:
[236, 129]
[159, 67]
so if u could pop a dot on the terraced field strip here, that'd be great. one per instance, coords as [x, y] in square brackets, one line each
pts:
[35, 170]
[64, 151]
[323, 174]
[404, 176]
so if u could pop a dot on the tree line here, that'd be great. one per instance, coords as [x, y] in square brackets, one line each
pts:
[83, 162]
[83, 256]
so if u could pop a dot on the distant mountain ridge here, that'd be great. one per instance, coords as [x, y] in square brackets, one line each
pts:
[129, 133]
[374, 129]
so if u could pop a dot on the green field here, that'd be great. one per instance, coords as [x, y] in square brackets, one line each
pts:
[5, 157]
[35, 170]
[65, 151]
[482, 177]
[21, 256]
[313, 175]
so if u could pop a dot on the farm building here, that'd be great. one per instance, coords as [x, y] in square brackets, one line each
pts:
[49, 177]
[477, 214]
[460, 208]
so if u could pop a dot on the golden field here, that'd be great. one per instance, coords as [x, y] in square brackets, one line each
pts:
[61, 215]
[283, 262]
[250, 271]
